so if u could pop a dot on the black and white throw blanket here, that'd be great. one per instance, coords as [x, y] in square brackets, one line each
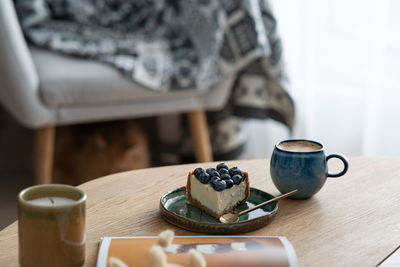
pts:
[176, 45]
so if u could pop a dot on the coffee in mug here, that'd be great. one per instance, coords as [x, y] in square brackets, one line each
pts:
[302, 164]
[299, 146]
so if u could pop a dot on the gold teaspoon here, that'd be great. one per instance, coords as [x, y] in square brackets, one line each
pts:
[233, 217]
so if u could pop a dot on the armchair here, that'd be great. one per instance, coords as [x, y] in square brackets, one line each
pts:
[42, 90]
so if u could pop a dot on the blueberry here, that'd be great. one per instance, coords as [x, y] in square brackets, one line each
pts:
[225, 176]
[209, 170]
[219, 184]
[229, 183]
[214, 173]
[222, 166]
[223, 171]
[204, 178]
[214, 178]
[197, 172]
[237, 178]
[235, 170]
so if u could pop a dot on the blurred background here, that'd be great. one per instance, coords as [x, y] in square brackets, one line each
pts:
[343, 62]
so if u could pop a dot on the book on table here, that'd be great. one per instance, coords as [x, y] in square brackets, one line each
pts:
[217, 250]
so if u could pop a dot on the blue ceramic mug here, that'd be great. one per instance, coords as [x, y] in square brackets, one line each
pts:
[302, 164]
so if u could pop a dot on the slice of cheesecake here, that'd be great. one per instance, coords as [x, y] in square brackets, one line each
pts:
[217, 191]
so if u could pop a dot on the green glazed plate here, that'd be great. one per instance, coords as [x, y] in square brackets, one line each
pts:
[175, 210]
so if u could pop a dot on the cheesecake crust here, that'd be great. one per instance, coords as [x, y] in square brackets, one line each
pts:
[197, 204]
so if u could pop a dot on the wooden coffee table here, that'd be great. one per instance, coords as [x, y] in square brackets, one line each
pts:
[354, 220]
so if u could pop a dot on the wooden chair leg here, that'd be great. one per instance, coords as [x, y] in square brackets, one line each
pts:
[201, 139]
[44, 153]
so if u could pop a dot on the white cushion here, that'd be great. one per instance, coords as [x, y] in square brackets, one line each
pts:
[66, 80]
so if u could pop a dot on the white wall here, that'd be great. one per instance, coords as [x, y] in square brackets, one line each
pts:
[343, 59]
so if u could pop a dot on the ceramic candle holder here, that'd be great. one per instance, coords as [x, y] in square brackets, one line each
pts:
[51, 226]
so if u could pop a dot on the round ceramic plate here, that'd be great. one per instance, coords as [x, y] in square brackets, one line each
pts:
[175, 210]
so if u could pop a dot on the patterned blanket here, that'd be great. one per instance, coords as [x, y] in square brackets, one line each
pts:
[176, 45]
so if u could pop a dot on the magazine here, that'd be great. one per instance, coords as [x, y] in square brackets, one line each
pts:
[218, 251]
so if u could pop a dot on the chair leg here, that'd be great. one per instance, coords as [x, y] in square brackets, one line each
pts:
[201, 139]
[44, 153]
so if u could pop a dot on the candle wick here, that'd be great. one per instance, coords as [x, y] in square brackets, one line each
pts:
[51, 200]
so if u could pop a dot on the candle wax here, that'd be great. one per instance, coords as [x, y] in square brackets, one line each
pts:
[51, 201]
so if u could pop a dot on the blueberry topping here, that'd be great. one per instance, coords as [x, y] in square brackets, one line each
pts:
[220, 177]
[204, 178]
[197, 172]
[218, 184]
[229, 183]
[223, 171]
[237, 178]
[225, 176]
[235, 170]
[209, 170]
[214, 173]
[214, 178]
[222, 166]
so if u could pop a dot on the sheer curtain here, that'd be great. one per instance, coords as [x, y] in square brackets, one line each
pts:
[343, 60]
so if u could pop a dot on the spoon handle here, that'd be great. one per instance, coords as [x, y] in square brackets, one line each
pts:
[269, 201]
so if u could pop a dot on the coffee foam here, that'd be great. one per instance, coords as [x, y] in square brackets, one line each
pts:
[299, 146]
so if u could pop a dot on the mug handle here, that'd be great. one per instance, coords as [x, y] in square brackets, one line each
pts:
[345, 163]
